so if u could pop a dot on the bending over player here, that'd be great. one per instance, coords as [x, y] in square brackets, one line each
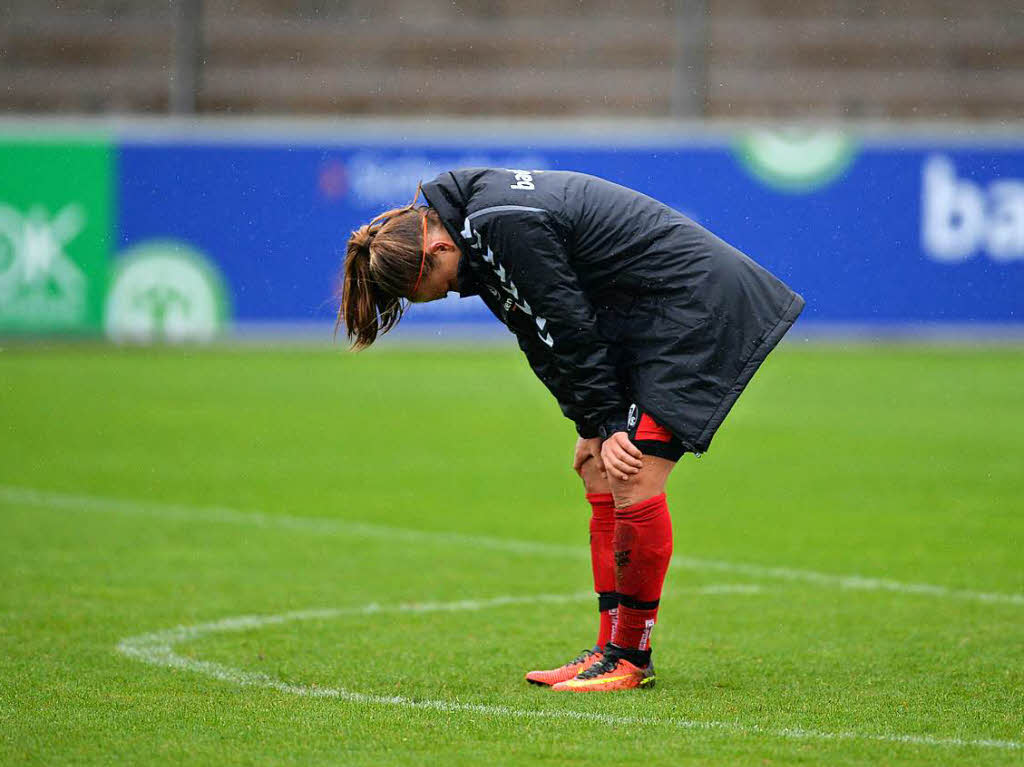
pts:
[643, 325]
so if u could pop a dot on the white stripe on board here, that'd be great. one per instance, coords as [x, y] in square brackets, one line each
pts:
[157, 649]
[220, 514]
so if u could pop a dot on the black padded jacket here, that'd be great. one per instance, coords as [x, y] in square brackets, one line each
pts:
[555, 254]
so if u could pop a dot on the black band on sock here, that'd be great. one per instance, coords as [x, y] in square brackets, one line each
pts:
[607, 600]
[633, 604]
[639, 658]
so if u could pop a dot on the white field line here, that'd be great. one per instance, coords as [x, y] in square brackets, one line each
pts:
[224, 515]
[158, 649]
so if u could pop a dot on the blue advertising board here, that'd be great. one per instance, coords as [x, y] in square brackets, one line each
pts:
[872, 231]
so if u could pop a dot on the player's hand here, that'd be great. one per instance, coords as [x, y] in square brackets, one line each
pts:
[585, 450]
[621, 457]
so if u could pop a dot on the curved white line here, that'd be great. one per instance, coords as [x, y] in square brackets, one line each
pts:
[157, 649]
[326, 526]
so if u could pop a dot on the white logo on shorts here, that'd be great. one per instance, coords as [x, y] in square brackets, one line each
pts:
[632, 416]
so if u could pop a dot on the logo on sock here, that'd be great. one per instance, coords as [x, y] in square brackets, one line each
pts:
[645, 638]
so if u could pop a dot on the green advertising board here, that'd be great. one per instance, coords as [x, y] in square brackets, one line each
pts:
[56, 211]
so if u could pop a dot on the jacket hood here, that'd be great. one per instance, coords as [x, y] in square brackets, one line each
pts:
[445, 195]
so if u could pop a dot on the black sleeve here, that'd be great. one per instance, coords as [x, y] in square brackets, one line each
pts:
[564, 349]
[551, 375]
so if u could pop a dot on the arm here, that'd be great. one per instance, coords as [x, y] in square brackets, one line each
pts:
[562, 342]
[553, 377]
[618, 452]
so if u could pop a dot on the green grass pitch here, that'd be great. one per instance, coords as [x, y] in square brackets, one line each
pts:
[848, 585]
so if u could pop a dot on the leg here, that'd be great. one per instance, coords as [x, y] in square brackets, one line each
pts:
[602, 536]
[648, 483]
[593, 481]
[643, 548]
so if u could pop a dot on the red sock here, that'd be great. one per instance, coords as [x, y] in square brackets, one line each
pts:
[602, 561]
[643, 548]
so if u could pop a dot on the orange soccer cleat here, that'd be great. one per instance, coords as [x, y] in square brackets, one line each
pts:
[607, 675]
[568, 671]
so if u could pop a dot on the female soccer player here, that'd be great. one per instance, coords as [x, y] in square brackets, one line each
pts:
[643, 325]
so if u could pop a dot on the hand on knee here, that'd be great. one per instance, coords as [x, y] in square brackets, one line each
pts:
[622, 459]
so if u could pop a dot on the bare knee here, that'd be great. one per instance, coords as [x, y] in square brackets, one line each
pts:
[647, 483]
[593, 480]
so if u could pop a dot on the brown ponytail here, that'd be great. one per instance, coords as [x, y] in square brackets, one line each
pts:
[384, 260]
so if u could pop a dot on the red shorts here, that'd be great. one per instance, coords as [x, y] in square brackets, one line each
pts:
[651, 437]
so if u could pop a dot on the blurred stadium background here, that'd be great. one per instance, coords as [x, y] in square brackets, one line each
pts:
[176, 173]
[869, 152]
[649, 58]
[782, 125]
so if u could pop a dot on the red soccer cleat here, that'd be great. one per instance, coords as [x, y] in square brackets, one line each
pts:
[568, 671]
[608, 675]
